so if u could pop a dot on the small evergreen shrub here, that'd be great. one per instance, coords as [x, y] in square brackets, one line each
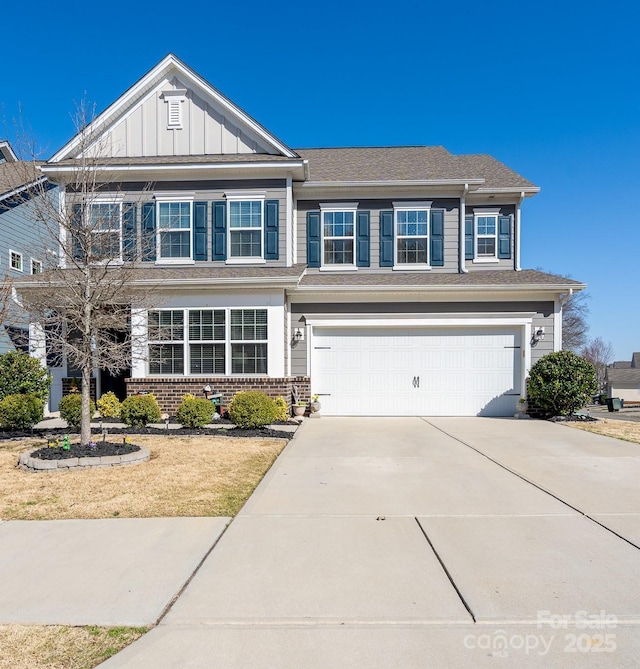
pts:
[252, 408]
[20, 374]
[283, 409]
[140, 410]
[18, 412]
[70, 408]
[561, 383]
[195, 411]
[109, 405]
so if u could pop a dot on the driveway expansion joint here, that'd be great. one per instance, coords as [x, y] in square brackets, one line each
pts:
[446, 571]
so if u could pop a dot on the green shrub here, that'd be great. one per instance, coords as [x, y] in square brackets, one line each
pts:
[252, 408]
[18, 412]
[561, 383]
[283, 409]
[70, 408]
[140, 410]
[195, 411]
[20, 374]
[109, 406]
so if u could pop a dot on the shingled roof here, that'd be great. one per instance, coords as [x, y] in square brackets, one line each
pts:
[625, 374]
[15, 175]
[408, 163]
[488, 279]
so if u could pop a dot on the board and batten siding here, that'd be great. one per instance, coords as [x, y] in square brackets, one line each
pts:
[543, 318]
[209, 192]
[207, 129]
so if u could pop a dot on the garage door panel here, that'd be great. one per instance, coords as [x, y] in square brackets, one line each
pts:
[373, 371]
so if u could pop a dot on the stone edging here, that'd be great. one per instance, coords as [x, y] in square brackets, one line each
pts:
[28, 463]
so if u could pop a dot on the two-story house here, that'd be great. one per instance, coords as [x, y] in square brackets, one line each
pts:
[24, 241]
[386, 280]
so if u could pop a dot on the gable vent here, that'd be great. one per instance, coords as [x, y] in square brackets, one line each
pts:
[174, 100]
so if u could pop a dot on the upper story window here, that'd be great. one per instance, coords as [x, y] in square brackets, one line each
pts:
[338, 234]
[105, 224]
[412, 234]
[246, 220]
[488, 235]
[174, 229]
[15, 261]
[36, 266]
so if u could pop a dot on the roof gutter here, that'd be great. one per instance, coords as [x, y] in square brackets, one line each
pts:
[449, 289]
[392, 182]
[70, 169]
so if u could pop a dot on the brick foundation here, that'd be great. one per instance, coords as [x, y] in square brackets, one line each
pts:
[169, 391]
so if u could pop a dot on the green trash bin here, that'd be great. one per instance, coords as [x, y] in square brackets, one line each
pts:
[614, 404]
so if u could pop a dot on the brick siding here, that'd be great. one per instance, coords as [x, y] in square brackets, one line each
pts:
[169, 391]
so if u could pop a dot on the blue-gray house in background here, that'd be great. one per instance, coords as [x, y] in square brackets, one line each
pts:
[24, 244]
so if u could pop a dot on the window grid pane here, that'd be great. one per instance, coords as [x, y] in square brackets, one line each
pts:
[166, 359]
[246, 243]
[175, 245]
[248, 324]
[207, 325]
[245, 214]
[174, 215]
[166, 325]
[207, 358]
[248, 358]
[412, 251]
[104, 217]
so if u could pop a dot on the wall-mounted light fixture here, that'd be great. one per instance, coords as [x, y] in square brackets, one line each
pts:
[298, 334]
[538, 335]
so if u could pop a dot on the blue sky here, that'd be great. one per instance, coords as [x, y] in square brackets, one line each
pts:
[549, 88]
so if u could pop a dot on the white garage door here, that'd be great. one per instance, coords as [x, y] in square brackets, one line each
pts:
[416, 372]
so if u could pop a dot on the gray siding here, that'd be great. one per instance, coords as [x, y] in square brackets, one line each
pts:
[210, 191]
[21, 231]
[451, 208]
[543, 317]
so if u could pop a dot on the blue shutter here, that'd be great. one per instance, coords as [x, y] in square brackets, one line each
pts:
[387, 237]
[363, 255]
[469, 243]
[129, 231]
[219, 231]
[313, 238]
[149, 231]
[437, 238]
[271, 230]
[200, 230]
[504, 236]
[76, 236]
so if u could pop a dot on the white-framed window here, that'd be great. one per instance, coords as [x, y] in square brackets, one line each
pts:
[486, 235]
[15, 261]
[246, 225]
[338, 224]
[412, 233]
[175, 224]
[105, 225]
[221, 341]
[36, 266]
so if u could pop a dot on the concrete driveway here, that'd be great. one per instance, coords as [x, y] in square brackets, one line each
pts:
[407, 542]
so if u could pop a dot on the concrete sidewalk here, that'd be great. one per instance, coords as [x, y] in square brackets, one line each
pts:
[402, 542]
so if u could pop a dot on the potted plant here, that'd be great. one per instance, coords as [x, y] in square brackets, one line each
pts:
[315, 405]
[521, 408]
[299, 408]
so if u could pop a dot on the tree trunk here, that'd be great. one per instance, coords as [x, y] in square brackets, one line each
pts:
[85, 422]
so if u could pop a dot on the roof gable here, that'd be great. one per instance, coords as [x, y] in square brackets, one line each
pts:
[138, 123]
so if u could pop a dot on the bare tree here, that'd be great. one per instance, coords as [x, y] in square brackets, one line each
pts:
[82, 302]
[599, 353]
[575, 310]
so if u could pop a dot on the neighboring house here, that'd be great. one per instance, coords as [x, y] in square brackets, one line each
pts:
[623, 379]
[22, 245]
[386, 280]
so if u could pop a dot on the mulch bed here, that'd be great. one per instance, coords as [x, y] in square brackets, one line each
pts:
[77, 451]
[44, 433]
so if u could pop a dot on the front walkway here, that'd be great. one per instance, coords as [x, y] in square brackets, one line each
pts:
[405, 543]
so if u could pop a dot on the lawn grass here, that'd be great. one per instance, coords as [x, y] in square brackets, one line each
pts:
[619, 429]
[60, 646]
[186, 476]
